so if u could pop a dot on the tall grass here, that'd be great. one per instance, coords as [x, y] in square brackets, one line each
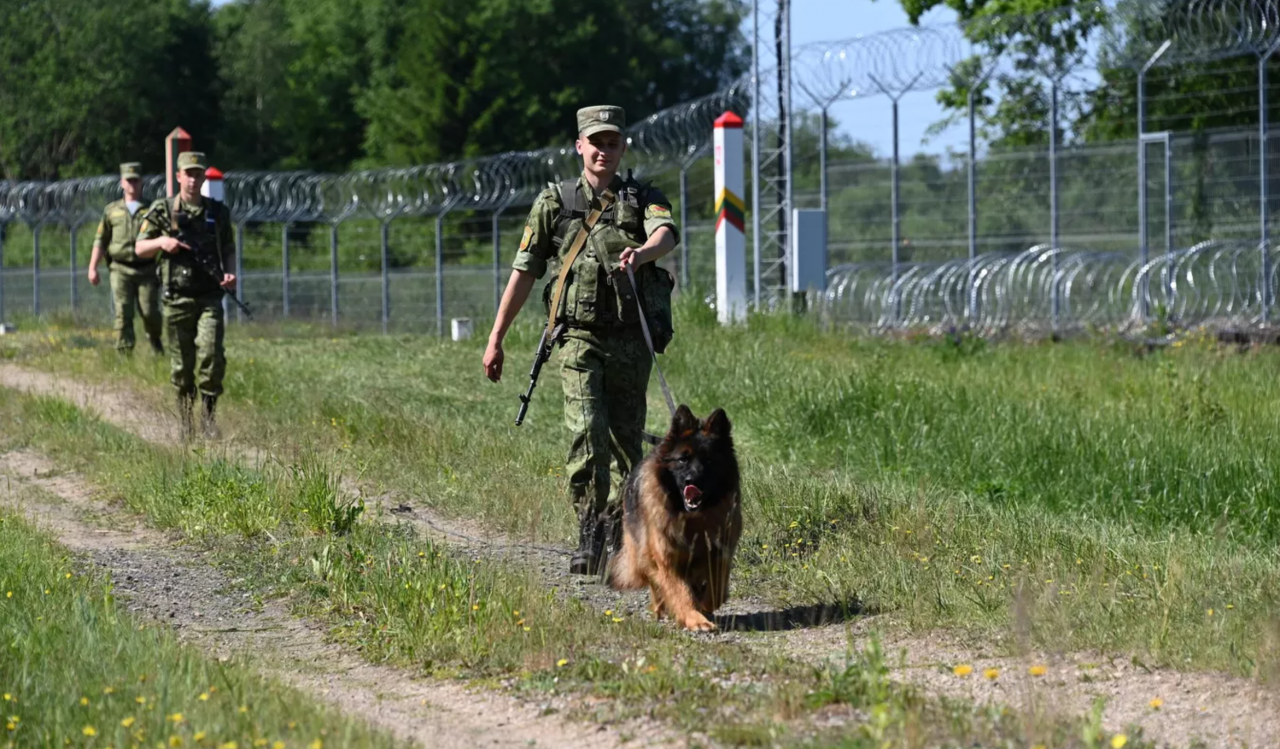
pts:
[1120, 493]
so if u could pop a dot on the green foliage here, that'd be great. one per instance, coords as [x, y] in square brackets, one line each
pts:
[87, 84]
[495, 75]
[1014, 105]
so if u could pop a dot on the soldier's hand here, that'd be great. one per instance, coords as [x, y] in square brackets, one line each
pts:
[631, 256]
[493, 361]
[93, 276]
[172, 245]
[228, 281]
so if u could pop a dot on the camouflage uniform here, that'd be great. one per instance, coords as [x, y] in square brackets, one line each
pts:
[605, 363]
[193, 310]
[134, 282]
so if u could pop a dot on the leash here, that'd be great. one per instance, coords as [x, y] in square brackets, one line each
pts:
[648, 340]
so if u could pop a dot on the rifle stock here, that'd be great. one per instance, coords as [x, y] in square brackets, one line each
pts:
[540, 356]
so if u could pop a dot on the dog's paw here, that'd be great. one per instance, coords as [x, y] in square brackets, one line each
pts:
[696, 622]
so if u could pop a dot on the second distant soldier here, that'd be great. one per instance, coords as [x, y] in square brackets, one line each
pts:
[134, 283]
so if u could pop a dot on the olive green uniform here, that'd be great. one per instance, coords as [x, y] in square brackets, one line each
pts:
[193, 311]
[134, 283]
[605, 363]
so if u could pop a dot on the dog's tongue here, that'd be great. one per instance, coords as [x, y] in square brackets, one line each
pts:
[691, 493]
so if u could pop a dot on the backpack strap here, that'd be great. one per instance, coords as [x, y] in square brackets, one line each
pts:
[579, 241]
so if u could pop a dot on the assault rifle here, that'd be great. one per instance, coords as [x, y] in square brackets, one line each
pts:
[208, 260]
[543, 353]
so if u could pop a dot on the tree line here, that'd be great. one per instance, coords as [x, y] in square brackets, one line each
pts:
[330, 85]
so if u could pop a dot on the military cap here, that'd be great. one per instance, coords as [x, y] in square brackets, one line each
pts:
[131, 170]
[191, 160]
[598, 119]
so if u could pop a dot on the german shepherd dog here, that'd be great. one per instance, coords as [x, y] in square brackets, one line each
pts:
[682, 518]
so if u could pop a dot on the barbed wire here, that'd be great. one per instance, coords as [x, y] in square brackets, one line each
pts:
[1043, 289]
[916, 58]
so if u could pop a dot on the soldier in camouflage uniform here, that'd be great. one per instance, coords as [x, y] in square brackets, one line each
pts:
[605, 362]
[192, 295]
[134, 283]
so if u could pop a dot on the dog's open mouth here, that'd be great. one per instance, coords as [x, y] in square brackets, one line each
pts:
[692, 497]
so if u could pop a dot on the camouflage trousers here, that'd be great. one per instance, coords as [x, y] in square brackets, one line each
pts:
[196, 355]
[140, 291]
[605, 380]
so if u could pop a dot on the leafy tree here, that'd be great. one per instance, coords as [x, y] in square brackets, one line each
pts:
[481, 76]
[86, 84]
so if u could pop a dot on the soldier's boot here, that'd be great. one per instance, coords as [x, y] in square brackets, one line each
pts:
[208, 422]
[157, 347]
[185, 403]
[591, 539]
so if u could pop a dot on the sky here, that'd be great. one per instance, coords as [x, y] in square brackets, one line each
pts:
[871, 119]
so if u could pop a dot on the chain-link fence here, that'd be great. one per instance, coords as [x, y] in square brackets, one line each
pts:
[1174, 222]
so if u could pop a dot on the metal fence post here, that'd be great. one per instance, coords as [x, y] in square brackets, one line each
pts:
[284, 268]
[755, 154]
[1143, 244]
[1054, 294]
[333, 272]
[684, 224]
[35, 270]
[4, 228]
[384, 231]
[239, 270]
[497, 258]
[1264, 190]
[972, 307]
[440, 270]
[75, 226]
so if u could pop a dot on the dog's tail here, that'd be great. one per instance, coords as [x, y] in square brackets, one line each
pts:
[623, 574]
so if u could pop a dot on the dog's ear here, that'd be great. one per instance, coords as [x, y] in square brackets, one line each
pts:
[683, 421]
[717, 424]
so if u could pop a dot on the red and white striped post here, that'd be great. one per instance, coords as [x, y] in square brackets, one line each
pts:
[175, 143]
[731, 238]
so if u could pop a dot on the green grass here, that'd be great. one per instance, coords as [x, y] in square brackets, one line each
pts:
[77, 668]
[1116, 496]
[402, 600]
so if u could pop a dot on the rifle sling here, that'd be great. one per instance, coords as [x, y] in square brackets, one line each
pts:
[575, 249]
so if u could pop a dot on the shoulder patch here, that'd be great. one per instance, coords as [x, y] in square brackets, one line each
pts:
[528, 234]
[659, 210]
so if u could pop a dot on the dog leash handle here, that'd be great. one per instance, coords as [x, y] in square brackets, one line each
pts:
[644, 326]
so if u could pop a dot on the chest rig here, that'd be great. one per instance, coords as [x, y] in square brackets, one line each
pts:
[598, 293]
[198, 270]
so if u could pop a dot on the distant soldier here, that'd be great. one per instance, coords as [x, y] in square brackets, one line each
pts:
[194, 233]
[605, 360]
[134, 282]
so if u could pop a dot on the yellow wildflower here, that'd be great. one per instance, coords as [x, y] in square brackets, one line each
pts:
[204, 696]
[1037, 670]
[964, 669]
[1119, 740]
[991, 673]
[1156, 703]
[317, 744]
[562, 663]
[127, 721]
[199, 736]
[89, 731]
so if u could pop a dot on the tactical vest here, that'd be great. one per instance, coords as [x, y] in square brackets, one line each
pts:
[599, 294]
[124, 231]
[181, 272]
